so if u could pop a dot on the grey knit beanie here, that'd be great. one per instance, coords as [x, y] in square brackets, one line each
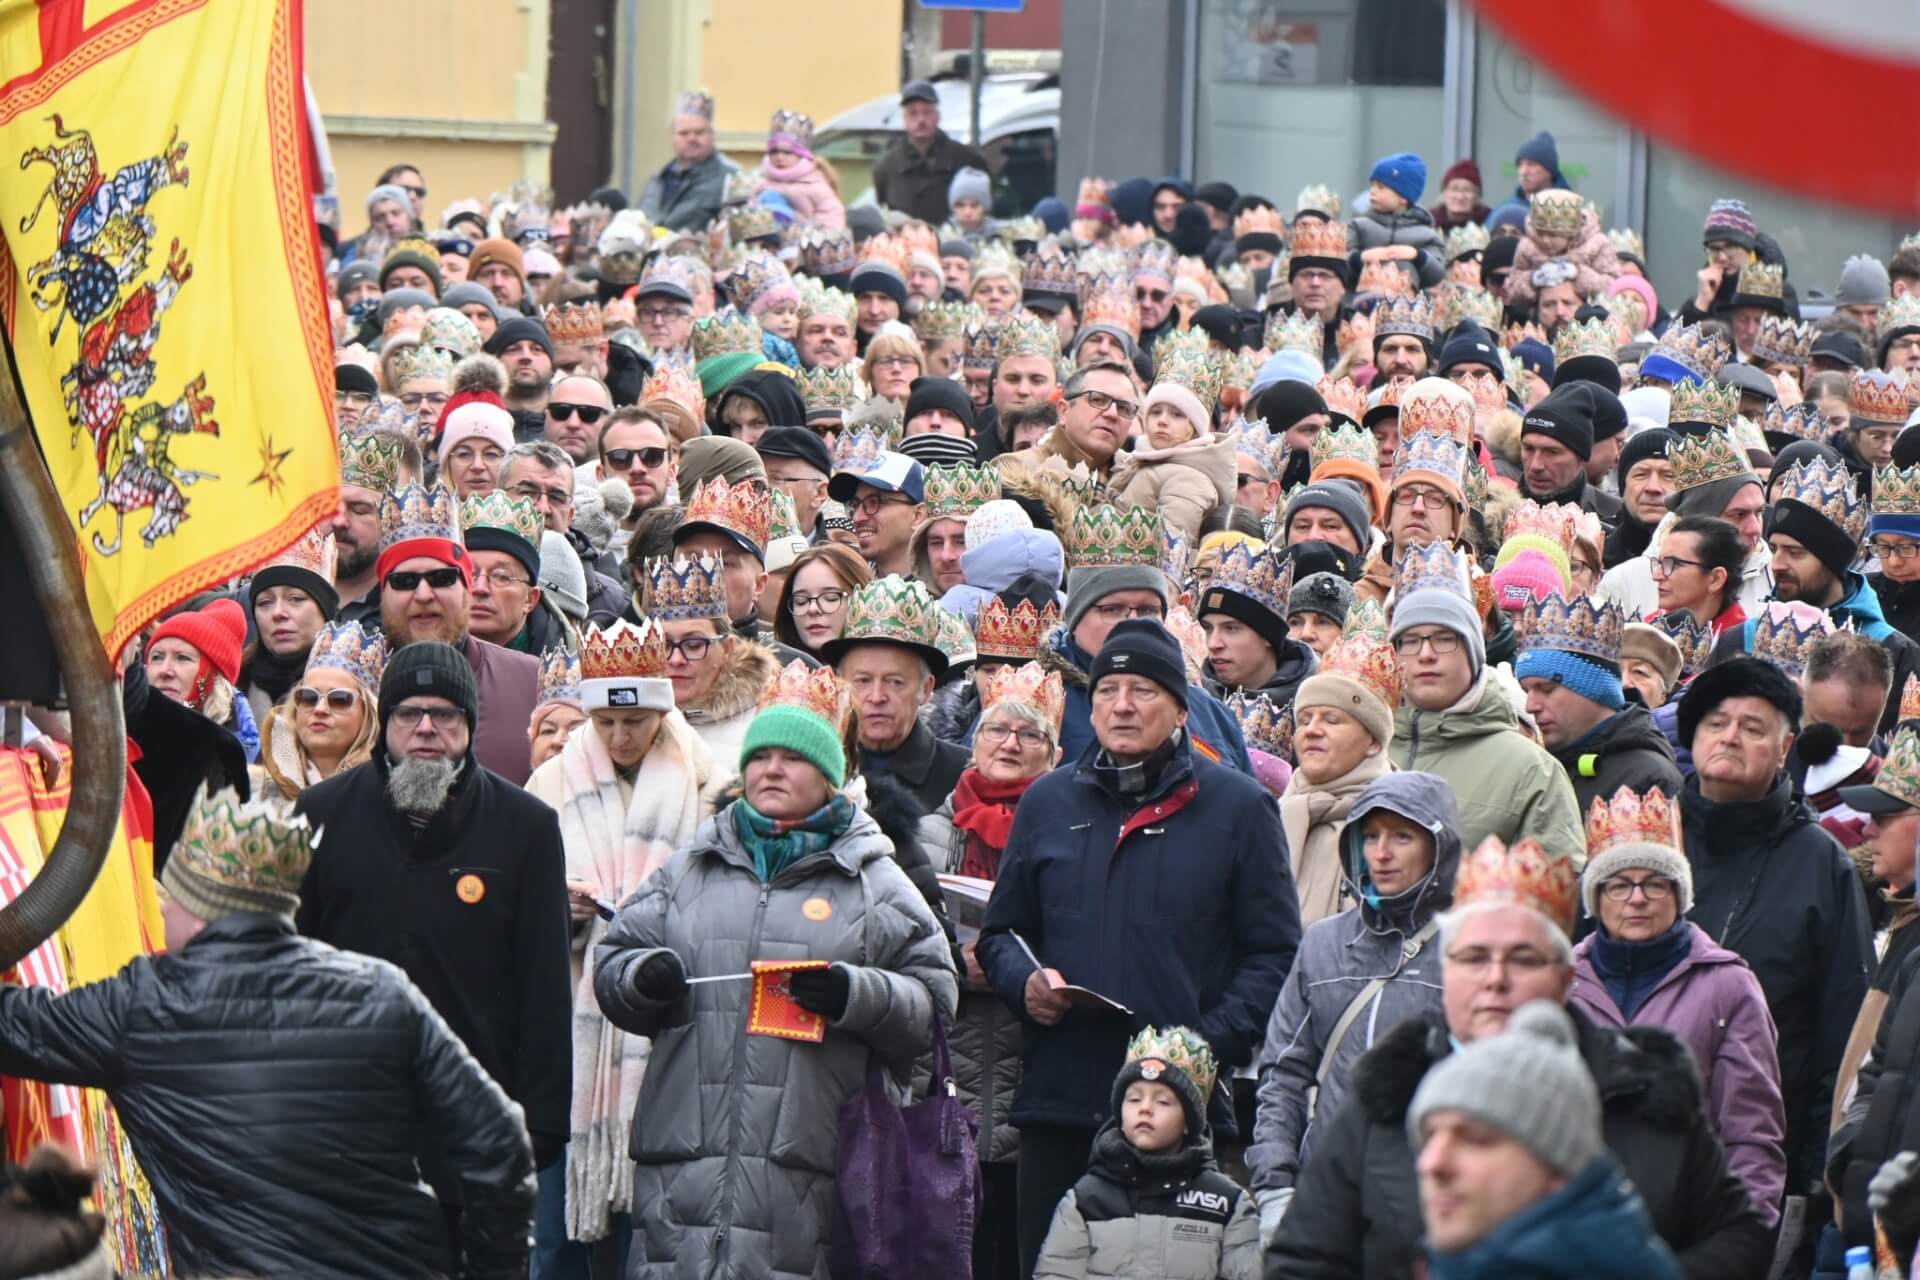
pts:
[1863, 282]
[1089, 586]
[1528, 1082]
[1711, 498]
[1439, 607]
[1638, 856]
[970, 184]
[562, 576]
[1339, 497]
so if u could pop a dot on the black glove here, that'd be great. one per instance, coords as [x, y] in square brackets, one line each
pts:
[660, 978]
[823, 991]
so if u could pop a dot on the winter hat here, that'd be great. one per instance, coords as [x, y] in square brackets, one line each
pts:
[1863, 282]
[1736, 678]
[1535, 357]
[431, 668]
[1143, 647]
[1221, 196]
[349, 376]
[1651, 443]
[496, 250]
[1327, 594]
[1507, 217]
[468, 294]
[1566, 416]
[1640, 286]
[939, 450]
[1652, 645]
[218, 630]
[355, 273]
[1841, 348]
[562, 576]
[1542, 150]
[1341, 499]
[799, 444]
[598, 509]
[879, 277]
[1310, 556]
[1404, 173]
[1089, 586]
[939, 393]
[803, 732]
[395, 300]
[390, 191]
[1053, 215]
[406, 255]
[237, 858]
[992, 519]
[519, 329]
[706, 457]
[970, 184]
[1286, 402]
[1177, 1058]
[1286, 366]
[1731, 221]
[1181, 399]
[1528, 1082]
[1621, 835]
[489, 422]
[1529, 576]
[1463, 169]
[307, 565]
[1441, 602]
[1468, 343]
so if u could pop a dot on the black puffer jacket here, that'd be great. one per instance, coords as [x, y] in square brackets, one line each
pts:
[1900, 601]
[1356, 1212]
[276, 1091]
[1884, 1117]
[1626, 750]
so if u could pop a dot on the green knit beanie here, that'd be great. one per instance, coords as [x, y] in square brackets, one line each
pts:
[802, 732]
[715, 372]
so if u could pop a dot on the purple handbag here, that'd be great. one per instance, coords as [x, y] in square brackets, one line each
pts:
[907, 1186]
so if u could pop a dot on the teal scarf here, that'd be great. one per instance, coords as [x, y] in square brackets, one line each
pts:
[778, 843]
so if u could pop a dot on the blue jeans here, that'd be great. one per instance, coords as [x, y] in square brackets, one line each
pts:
[554, 1256]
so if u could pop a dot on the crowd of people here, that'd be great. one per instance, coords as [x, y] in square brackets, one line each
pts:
[1357, 739]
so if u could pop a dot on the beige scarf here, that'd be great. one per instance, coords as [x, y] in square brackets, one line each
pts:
[1313, 816]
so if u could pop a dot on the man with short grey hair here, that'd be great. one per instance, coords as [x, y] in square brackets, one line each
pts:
[914, 174]
[687, 194]
[542, 473]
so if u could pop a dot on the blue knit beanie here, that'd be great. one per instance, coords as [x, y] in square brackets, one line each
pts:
[1542, 150]
[1404, 173]
[1596, 681]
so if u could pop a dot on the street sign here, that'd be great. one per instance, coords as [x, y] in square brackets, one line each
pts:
[1810, 97]
[977, 6]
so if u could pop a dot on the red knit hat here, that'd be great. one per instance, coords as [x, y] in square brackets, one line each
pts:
[218, 630]
[1464, 169]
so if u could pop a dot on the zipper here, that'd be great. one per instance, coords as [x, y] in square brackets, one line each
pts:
[734, 1117]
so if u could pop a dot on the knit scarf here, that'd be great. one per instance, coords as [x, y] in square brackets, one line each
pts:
[778, 843]
[273, 675]
[984, 810]
[614, 844]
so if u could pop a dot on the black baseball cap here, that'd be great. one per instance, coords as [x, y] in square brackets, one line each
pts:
[796, 442]
[1841, 348]
[919, 91]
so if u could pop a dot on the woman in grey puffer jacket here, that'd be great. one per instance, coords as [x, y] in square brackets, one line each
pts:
[735, 1134]
[1340, 957]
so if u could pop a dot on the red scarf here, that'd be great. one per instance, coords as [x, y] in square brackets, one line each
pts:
[984, 810]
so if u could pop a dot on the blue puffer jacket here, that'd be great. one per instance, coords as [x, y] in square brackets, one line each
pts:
[1594, 1228]
[993, 566]
[1215, 732]
[1179, 904]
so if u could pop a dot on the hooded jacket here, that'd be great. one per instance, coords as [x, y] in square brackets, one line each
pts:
[1883, 1119]
[806, 188]
[1182, 483]
[1593, 1228]
[1214, 731]
[1624, 750]
[1590, 254]
[1293, 663]
[1899, 603]
[776, 393]
[1338, 958]
[997, 563]
[1411, 226]
[724, 714]
[1859, 609]
[1313, 816]
[1713, 1004]
[735, 1135]
[1365, 1196]
[1504, 784]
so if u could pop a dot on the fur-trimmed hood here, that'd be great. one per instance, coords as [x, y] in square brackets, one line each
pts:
[738, 687]
[1502, 434]
[1053, 657]
[1025, 480]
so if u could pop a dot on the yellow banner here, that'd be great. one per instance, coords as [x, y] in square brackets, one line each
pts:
[161, 289]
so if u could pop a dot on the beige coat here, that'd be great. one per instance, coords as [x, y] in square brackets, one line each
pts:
[1313, 816]
[1183, 483]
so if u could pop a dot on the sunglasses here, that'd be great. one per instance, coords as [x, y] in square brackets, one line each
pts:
[622, 459]
[409, 580]
[336, 699]
[560, 411]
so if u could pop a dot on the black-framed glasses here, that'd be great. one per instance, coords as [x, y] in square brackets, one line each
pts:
[532, 492]
[1895, 550]
[418, 193]
[336, 699]
[1100, 402]
[1122, 612]
[1619, 889]
[409, 580]
[693, 648]
[1408, 646]
[560, 411]
[828, 601]
[623, 459]
[1667, 566]
[408, 716]
[871, 504]
[1431, 499]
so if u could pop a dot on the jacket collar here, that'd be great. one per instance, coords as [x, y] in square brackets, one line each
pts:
[912, 761]
[1738, 826]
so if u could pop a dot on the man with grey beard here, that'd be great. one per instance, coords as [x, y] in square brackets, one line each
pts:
[429, 860]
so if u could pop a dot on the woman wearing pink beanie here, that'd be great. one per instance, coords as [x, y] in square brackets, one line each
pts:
[474, 442]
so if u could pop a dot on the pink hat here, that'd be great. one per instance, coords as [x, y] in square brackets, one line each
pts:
[1528, 578]
[1640, 285]
[490, 422]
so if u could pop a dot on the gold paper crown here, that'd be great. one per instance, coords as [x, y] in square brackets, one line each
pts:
[676, 383]
[945, 321]
[1478, 484]
[412, 512]
[744, 508]
[887, 251]
[1695, 641]
[573, 322]
[686, 589]
[1761, 280]
[1261, 576]
[1027, 336]
[756, 279]
[1783, 341]
[1104, 536]
[751, 221]
[346, 647]
[794, 124]
[1407, 315]
[824, 390]
[1025, 229]
[1317, 196]
[1259, 220]
[1527, 331]
[1296, 332]
[313, 551]
[815, 689]
[1155, 258]
[1349, 443]
[1584, 338]
[996, 259]
[1902, 312]
[1524, 875]
[1155, 1051]
[1879, 398]
[1013, 634]
[857, 451]
[624, 651]
[1587, 625]
[1442, 408]
[1513, 377]
[502, 511]
[1626, 242]
[1694, 349]
[1780, 640]
[1630, 819]
[370, 461]
[1899, 774]
[1827, 490]
[825, 300]
[980, 345]
[826, 252]
[1910, 699]
[1318, 238]
[1384, 278]
[1435, 566]
[1050, 271]
[1702, 459]
[1468, 237]
[1430, 453]
[1366, 658]
[1028, 683]
[1109, 300]
[1366, 617]
[415, 360]
[1556, 211]
[1550, 523]
[694, 102]
[1707, 402]
[729, 333]
[1093, 191]
[956, 492]
[1353, 336]
[1253, 441]
[1802, 421]
[1896, 491]
[256, 847]
[1185, 360]
[894, 608]
[1459, 302]
[559, 678]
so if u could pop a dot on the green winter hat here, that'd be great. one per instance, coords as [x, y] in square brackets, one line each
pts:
[715, 372]
[802, 732]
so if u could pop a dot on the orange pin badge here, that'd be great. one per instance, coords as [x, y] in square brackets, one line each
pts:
[470, 888]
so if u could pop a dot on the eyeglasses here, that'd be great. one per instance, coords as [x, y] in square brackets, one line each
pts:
[1477, 960]
[1619, 889]
[353, 399]
[500, 579]
[995, 734]
[693, 648]
[534, 493]
[409, 717]
[414, 399]
[337, 699]
[896, 362]
[408, 581]
[418, 193]
[819, 602]
[1242, 481]
[1100, 402]
[662, 315]
[1431, 499]
[1908, 342]
[1667, 566]
[560, 411]
[1121, 612]
[1408, 646]
[622, 459]
[871, 504]
[1895, 550]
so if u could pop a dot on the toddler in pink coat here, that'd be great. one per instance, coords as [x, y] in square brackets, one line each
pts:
[790, 169]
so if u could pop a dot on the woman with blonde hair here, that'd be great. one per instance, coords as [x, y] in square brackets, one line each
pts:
[330, 721]
[894, 359]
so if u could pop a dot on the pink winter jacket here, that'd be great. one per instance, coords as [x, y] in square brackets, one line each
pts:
[807, 190]
[1713, 1004]
[1592, 256]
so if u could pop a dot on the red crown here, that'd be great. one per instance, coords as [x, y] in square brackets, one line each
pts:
[1030, 683]
[1014, 634]
[623, 651]
[815, 689]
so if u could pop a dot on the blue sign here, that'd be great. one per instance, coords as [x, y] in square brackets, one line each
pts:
[977, 6]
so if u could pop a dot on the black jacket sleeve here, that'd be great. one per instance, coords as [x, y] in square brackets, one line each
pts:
[1731, 1239]
[1322, 1235]
[64, 1039]
[544, 950]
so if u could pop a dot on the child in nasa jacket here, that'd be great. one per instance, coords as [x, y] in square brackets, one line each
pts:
[1152, 1203]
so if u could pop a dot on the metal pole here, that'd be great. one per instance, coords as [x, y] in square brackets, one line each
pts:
[976, 70]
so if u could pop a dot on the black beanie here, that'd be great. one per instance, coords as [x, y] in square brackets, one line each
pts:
[1830, 544]
[431, 668]
[519, 329]
[1286, 402]
[1310, 556]
[348, 376]
[1220, 323]
[1609, 415]
[1651, 443]
[939, 393]
[878, 277]
[1601, 371]
[484, 538]
[1468, 343]
[1220, 195]
[1565, 416]
[1741, 677]
[1143, 647]
[289, 575]
[1498, 256]
[1241, 607]
[1192, 230]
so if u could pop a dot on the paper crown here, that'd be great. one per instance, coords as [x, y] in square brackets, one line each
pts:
[1524, 875]
[1584, 338]
[1626, 241]
[1345, 401]
[980, 345]
[412, 512]
[956, 492]
[1434, 567]
[816, 689]
[1761, 280]
[1013, 634]
[1547, 526]
[824, 390]
[686, 589]
[1318, 238]
[729, 333]
[756, 279]
[1154, 1051]
[945, 321]
[1910, 699]
[1025, 229]
[1296, 332]
[1050, 271]
[346, 647]
[1437, 407]
[751, 221]
[1252, 441]
[1259, 219]
[886, 251]
[624, 651]
[1366, 658]
[1344, 443]
[559, 678]
[1029, 683]
[1353, 336]
[313, 551]
[1695, 641]
[996, 259]
[1385, 278]
[1783, 341]
[1694, 349]
[826, 251]
[1828, 490]
[1423, 454]
[1782, 638]
[1899, 774]
[1260, 576]
[894, 608]
[1802, 421]
[825, 300]
[1108, 300]
[1468, 237]
[678, 384]
[694, 102]
[1556, 211]
[1586, 625]
[1707, 402]
[1878, 398]
[1186, 361]
[1027, 336]
[414, 361]
[1103, 536]
[792, 124]
[1901, 312]
[1896, 491]
[1266, 725]
[1404, 315]
[1629, 819]
[1457, 302]
[1155, 258]
[1702, 459]
[370, 461]
[744, 508]
[574, 322]
[1093, 193]
[1318, 197]
[256, 847]
[1192, 638]
[688, 272]
[502, 511]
